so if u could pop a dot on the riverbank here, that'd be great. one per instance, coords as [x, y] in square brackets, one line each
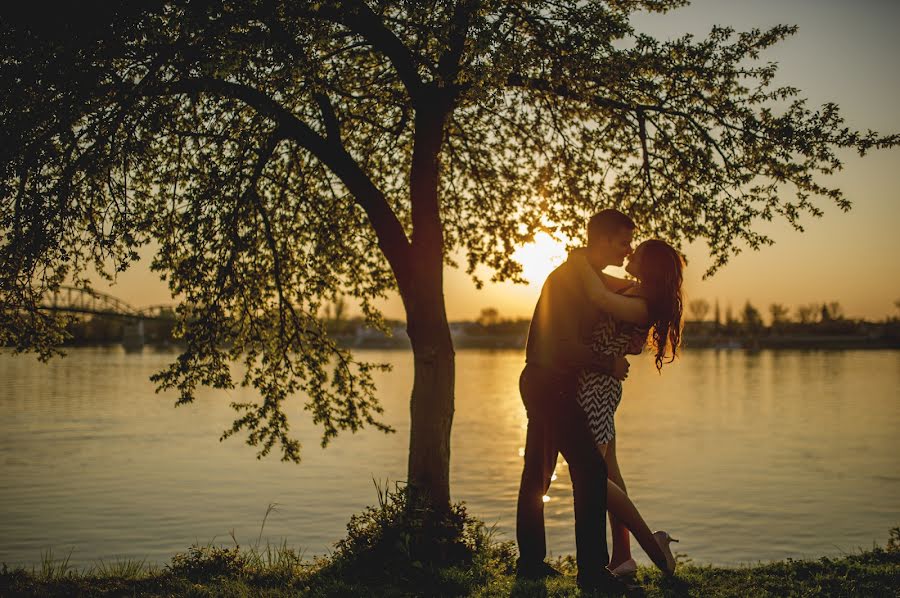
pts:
[868, 574]
[379, 557]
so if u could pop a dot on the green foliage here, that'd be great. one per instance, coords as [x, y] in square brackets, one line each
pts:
[206, 562]
[278, 155]
[403, 534]
[893, 544]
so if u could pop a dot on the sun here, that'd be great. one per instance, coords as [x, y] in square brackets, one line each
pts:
[540, 257]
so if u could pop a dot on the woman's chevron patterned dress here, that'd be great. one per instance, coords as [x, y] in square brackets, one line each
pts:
[599, 394]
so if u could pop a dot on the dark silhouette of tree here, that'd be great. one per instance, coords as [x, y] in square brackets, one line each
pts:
[832, 311]
[717, 318]
[751, 318]
[806, 314]
[489, 317]
[336, 320]
[278, 154]
[779, 315]
[699, 308]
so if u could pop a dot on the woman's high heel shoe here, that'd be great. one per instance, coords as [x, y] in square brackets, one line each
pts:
[625, 569]
[664, 539]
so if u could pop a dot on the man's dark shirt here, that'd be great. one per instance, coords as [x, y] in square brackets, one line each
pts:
[559, 335]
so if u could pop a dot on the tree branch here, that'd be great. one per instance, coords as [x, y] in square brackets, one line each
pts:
[516, 80]
[362, 20]
[391, 237]
[645, 154]
[265, 154]
[449, 62]
[329, 118]
[428, 138]
[638, 108]
[563, 91]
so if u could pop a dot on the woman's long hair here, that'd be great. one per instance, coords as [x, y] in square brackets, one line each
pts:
[661, 277]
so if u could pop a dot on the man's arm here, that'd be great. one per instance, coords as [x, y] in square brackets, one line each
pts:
[631, 309]
[569, 350]
[613, 283]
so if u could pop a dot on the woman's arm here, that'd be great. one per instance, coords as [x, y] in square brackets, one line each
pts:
[630, 309]
[616, 284]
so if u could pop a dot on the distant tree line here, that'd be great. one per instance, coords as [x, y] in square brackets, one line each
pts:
[702, 320]
[780, 316]
[810, 324]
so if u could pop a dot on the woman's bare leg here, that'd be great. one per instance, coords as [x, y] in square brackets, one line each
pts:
[619, 505]
[621, 539]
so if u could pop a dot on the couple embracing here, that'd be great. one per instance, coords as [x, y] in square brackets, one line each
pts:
[584, 324]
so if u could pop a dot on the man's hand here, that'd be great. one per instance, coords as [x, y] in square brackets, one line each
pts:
[620, 368]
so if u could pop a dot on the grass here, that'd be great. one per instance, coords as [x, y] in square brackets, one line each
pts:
[382, 555]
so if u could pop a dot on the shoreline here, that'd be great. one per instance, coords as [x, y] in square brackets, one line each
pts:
[212, 571]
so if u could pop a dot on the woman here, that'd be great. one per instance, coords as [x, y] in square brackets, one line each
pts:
[653, 305]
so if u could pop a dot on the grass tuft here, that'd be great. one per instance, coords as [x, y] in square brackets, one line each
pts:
[122, 568]
[55, 569]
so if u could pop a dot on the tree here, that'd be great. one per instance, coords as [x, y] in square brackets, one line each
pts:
[779, 314]
[806, 314]
[336, 316]
[699, 308]
[276, 154]
[489, 317]
[751, 318]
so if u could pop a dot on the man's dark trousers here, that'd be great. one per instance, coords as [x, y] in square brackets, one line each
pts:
[557, 424]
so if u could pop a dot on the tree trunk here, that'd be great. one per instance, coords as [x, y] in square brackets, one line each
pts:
[431, 404]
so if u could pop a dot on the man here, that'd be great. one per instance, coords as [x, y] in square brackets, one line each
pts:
[557, 349]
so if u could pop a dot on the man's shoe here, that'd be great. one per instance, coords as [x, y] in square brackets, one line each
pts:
[607, 584]
[539, 570]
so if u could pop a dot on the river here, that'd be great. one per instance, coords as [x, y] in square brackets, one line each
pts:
[745, 457]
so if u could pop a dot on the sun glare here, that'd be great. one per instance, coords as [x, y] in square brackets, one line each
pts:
[540, 257]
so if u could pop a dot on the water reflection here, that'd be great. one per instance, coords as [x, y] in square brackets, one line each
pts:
[721, 449]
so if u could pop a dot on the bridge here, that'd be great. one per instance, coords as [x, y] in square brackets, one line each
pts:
[81, 301]
[89, 302]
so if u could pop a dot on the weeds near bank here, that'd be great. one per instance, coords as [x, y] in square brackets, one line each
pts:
[893, 544]
[272, 507]
[124, 569]
[52, 569]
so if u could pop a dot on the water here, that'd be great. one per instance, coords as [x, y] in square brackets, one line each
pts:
[745, 457]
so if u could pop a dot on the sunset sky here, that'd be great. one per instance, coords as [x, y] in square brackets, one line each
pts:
[845, 53]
